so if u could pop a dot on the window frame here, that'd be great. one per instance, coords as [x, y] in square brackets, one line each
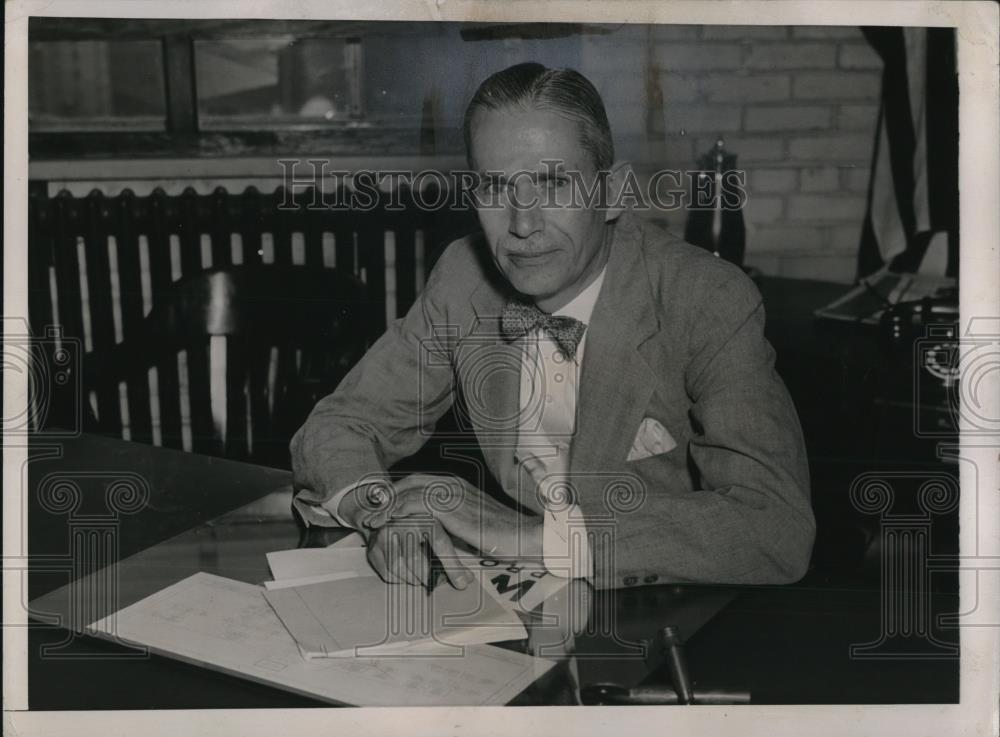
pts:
[182, 135]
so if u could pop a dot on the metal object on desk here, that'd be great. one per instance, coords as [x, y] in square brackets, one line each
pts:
[611, 694]
[715, 211]
[677, 664]
[681, 690]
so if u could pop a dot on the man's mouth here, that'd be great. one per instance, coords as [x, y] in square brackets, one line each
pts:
[530, 258]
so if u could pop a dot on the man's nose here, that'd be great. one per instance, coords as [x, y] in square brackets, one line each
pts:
[525, 221]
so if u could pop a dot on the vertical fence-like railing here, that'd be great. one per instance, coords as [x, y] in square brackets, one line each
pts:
[98, 265]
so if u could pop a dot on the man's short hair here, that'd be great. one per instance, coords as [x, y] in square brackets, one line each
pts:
[566, 92]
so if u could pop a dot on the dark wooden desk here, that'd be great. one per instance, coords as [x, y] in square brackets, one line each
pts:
[205, 514]
[786, 644]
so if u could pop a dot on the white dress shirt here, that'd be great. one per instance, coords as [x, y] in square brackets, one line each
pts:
[547, 422]
[549, 389]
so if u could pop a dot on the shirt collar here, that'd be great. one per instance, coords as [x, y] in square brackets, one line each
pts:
[582, 305]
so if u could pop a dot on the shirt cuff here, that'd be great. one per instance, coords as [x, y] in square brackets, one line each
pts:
[319, 512]
[565, 547]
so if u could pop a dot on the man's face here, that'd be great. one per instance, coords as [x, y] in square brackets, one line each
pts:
[547, 254]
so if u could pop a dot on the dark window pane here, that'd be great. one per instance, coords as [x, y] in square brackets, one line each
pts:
[277, 82]
[96, 85]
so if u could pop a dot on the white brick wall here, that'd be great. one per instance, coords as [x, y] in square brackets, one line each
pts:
[820, 179]
[827, 209]
[773, 181]
[787, 117]
[741, 33]
[840, 147]
[797, 105]
[836, 85]
[699, 56]
[858, 56]
[861, 116]
[756, 87]
[855, 178]
[792, 56]
[723, 118]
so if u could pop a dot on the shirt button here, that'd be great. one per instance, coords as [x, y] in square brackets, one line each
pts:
[548, 399]
[631, 580]
[651, 578]
[558, 378]
[558, 357]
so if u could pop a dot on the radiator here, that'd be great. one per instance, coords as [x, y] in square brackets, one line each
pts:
[98, 265]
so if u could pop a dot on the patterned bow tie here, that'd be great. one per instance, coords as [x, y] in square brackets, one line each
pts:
[520, 318]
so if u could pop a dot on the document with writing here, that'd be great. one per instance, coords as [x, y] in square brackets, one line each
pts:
[227, 625]
[519, 587]
[365, 616]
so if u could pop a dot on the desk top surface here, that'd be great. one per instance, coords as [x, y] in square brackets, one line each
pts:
[175, 514]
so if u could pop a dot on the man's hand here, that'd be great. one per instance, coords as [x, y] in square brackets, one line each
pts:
[469, 515]
[367, 506]
[399, 551]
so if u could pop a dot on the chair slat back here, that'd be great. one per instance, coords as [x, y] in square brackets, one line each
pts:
[98, 265]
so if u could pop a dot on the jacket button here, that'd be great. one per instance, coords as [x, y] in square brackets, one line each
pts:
[651, 578]
[631, 580]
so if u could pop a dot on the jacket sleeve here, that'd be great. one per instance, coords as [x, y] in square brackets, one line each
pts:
[749, 517]
[385, 408]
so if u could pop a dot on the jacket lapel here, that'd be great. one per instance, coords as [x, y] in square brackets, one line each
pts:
[616, 381]
[490, 370]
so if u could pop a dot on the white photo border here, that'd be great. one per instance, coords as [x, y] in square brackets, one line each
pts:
[977, 713]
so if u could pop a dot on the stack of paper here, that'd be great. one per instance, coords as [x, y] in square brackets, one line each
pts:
[314, 565]
[227, 625]
[517, 587]
[364, 616]
[333, 604]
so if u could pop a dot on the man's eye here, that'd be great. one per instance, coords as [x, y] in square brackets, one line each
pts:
[557, 183]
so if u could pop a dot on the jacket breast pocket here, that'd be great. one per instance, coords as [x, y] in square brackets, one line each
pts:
[651, 439]
[664, 473]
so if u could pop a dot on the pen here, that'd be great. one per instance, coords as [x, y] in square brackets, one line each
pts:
[436, 571]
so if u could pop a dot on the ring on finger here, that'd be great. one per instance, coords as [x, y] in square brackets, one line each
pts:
[377, 496]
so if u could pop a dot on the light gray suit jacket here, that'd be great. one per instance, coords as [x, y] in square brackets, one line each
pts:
[676, 336]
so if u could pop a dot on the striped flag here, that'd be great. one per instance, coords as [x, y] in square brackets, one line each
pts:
[911, 223]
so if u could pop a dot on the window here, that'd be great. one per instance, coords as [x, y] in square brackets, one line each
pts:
[182, 78]
[96, 85]
[188, 88]
[278, 82]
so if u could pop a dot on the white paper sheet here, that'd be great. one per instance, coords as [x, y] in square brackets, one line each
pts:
[286, 583]
[364, 615]
[312, 562]
[354, 540]
[228, 626]
[519, 587]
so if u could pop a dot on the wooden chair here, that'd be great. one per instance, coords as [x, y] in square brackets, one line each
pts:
[241, 354]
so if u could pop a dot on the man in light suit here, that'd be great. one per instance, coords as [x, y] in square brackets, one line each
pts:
[616, 378]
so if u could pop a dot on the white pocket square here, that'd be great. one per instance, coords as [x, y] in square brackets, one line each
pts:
[651, 439]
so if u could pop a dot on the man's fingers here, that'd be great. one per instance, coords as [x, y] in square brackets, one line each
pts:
[410, 505]
[396, 558]
[376, 520]
[417, 481]
[404, 502]
[415, 557]
[376, 559]
[535, 467]
[422, 565]
[444, 549]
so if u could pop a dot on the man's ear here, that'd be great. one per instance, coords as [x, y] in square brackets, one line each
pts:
[620, 174]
